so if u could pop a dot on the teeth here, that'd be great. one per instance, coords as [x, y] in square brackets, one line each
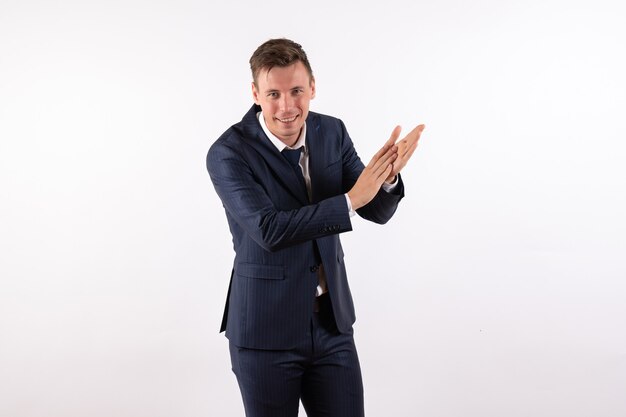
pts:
[288, 120]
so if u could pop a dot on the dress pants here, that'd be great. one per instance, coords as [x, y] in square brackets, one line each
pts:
[323, 372]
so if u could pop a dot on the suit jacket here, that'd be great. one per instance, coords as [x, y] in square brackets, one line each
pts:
[279, 237]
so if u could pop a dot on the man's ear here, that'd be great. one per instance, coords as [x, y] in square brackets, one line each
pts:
[312, 84]
[255, 94]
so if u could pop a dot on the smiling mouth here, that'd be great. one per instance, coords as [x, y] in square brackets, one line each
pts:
[287, 120]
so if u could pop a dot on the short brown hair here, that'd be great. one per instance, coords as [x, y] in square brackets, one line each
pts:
[278, 53]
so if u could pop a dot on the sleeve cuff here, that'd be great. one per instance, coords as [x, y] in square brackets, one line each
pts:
[388, 187]
[350, 211]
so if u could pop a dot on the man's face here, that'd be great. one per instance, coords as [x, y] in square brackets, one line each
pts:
[284, 94]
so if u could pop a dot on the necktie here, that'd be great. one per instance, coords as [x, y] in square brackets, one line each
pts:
[293, 157]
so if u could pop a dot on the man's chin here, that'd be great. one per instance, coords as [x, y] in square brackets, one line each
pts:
[288, 130]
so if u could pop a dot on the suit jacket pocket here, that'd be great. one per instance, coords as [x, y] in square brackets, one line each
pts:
[260, 271]
[334, 165]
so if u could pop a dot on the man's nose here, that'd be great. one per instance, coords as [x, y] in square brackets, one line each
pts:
[286, 102]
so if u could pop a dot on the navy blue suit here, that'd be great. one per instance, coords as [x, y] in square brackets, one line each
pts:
[280, 237]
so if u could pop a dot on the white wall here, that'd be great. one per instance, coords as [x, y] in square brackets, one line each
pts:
[497, 290]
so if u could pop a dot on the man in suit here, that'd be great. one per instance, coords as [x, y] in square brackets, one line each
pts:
[290, 180]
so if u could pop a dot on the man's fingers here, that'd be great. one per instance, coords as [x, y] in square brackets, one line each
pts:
[404, 149]
[414, 134]
[395, 134]
[384, 168]
[387, 158]
[381, 152]
[384, 174]
[409, 152]
[381, 166]
[418, 133]
[382, 155]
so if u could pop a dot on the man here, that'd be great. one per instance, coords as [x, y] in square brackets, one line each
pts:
[289, 181]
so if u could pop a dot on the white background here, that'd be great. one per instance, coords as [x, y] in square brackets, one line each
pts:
[498, 289]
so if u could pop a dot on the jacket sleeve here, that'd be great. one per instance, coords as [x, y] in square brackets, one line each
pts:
[250, 206]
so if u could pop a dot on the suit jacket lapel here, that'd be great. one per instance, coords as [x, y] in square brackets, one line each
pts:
[261, 143]
[322, 154]
[317, 160]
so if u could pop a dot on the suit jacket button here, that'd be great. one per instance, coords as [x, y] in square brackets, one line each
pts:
[314, 268]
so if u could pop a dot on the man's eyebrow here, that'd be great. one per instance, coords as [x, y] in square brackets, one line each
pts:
[274, 90]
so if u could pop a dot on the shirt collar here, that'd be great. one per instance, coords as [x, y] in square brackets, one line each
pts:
[301, 142]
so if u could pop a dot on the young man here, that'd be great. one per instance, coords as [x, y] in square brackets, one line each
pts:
[290, 180]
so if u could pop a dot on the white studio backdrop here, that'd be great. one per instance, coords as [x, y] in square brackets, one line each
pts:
[498, 289]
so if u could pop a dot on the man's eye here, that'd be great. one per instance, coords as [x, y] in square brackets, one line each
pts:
[272, 95]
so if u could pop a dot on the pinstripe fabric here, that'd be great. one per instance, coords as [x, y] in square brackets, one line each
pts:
[324, 372]
[275, 229]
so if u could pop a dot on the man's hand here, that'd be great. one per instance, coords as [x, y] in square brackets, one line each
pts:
[406, 147]
[375, 173]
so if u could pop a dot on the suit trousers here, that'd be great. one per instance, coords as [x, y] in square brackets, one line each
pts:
[323, 372]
